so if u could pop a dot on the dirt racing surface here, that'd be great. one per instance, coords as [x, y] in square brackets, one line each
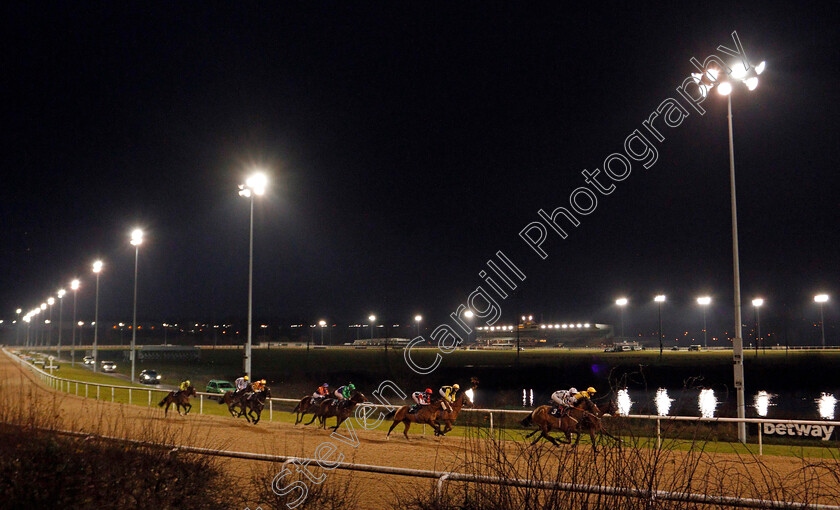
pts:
[725, 472]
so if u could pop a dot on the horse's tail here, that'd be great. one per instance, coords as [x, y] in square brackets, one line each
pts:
[297, 407]
[390, 414]
[528, 420]
[162, 402]
[222, 400]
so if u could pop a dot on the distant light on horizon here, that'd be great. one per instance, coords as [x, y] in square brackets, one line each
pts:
[621, 301]
[821, 298]
[660, 298]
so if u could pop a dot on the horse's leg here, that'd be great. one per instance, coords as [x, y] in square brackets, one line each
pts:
[338, 421]
[553, 441]
[187, 406]
[314, 417]
[259, 413]
[407, 426]
[166, 409]
[393, 425]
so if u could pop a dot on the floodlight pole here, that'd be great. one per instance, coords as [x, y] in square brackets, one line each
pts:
[738, 341]
[250, 291]
[134, 316]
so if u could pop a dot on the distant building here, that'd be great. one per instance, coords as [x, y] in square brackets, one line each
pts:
[555, 334]
[166, 352]
[395, 342]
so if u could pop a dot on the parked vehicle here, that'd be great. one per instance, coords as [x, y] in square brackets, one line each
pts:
[219, 386]
[149, 377]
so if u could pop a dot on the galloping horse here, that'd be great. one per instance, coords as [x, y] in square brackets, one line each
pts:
[254, 404]
[232, 402]
[341, 409]
[427, 414]
[180, 399]
[449, 417]
[582, 417]
[307, 404]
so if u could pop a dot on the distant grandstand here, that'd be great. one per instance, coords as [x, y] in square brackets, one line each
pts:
[529, 333]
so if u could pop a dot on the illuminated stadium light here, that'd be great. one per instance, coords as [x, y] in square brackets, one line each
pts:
[624, 402]
[826, 404]
[663, 402]
[707, 402]
[762, 403]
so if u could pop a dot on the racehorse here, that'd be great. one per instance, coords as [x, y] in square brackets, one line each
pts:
[583, 417]
[232, 402]
[180, 399]
[427, 414]
[449, 417]
[341, 409]
[254, 404]
[306, 405]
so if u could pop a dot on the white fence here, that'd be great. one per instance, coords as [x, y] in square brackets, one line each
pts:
[73, 386]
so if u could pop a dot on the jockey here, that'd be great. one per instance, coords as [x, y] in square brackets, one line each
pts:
[323, 391]
[421, 398]
[241, 385]
[344, 392]
[564, 399]
[184, 385]
[448, 394]
[258, 385]
[587, 393]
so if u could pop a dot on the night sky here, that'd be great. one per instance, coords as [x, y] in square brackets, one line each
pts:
[406, 144]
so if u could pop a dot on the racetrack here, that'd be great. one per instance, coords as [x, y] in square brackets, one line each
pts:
[461, 454]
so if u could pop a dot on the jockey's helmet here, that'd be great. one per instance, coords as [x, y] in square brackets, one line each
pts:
[351, 386]
[590, 390]
[325, 385]
[428, 390]
[187, 383]
[247, 378]
[262, 381]
[455, 386]
[573, 390]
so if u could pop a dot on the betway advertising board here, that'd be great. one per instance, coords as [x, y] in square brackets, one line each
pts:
[823, 432]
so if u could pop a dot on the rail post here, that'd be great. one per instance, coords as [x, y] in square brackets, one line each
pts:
[658, 435]
[201, 404]
[112, 394]
[439, 488]
[97, 392]
[760, 445]
[270, 409]
[129, 396]
[491, 424]
[77, 389]
[150, 398]
[86, 390]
